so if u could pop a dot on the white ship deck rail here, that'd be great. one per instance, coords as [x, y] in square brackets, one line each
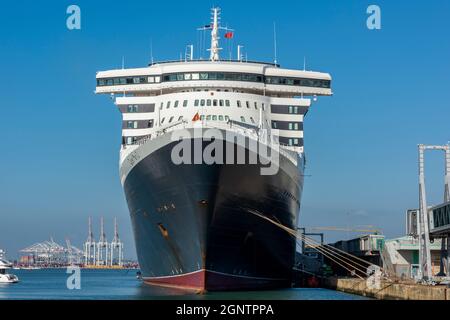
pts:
[231, 125]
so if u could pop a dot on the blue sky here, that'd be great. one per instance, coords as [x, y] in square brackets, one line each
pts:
[59, 160]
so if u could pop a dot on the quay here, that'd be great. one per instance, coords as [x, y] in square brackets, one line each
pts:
[388, 290]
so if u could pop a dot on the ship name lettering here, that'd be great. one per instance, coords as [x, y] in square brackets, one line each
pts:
[133, 158]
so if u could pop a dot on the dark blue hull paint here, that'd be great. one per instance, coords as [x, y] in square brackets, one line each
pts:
[192, 217]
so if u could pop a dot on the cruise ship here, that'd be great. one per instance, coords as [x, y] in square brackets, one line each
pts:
[211, 147]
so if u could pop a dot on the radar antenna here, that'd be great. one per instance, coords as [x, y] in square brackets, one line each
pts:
[214, 27]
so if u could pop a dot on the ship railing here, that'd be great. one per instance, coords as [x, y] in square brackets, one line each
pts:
[260, 135]
[245, 129]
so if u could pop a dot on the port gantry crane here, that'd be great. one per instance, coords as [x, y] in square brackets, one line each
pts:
[102, 246]
[90, 247]
[116, 246]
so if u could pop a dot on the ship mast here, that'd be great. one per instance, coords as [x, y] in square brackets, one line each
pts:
[214, 50]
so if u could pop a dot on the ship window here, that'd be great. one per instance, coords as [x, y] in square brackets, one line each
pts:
[290, 109]
[227, 118]
[202, 102]
[214, 103]
[227, 103]
[180, 76]
[214, 118]
[100, 82]
[176, 104]
[247, 104]
[274, 124]
[187, 76]
[290, 126]
[252, 120]
[221, 118]
[168, 105]
[208, 117]
[150, 123]
[162, 120]
[256, 105]
[296, 126]
[133, 108]
[221, 103]
[242, 119]
[129, 124]
[170, 120]
[202, 117]
[151, 79]
[196, 103]
[157, 79]
[203, 76]
[262, 104]
[161, 106]
[296, 142]
[208, 102]
[180, 118]
[135, 80]
[185, 102]
[290, 142]
[195, 76]
[129, 140]
[239, 103]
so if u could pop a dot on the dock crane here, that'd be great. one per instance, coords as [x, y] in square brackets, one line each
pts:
[69, 251]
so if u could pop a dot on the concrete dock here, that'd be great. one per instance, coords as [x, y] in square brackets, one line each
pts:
[388, 290]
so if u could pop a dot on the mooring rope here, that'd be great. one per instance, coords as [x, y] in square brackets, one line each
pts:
[331, 255]
[326, 250]
[331, 248]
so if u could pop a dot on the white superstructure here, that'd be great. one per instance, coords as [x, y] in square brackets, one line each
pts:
[164, 96]
[4, 266]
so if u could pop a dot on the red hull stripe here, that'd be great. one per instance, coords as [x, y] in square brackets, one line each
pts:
[211, 280]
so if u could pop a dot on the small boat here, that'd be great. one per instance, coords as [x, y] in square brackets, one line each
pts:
[6, 277]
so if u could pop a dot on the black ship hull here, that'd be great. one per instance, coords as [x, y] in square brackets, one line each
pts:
[194, 228]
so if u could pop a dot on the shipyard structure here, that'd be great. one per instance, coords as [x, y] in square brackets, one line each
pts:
[95, 253]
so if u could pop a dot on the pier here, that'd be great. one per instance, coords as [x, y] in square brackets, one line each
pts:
[388, 290]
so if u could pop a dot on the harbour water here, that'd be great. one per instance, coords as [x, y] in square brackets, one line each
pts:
[122, 284]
